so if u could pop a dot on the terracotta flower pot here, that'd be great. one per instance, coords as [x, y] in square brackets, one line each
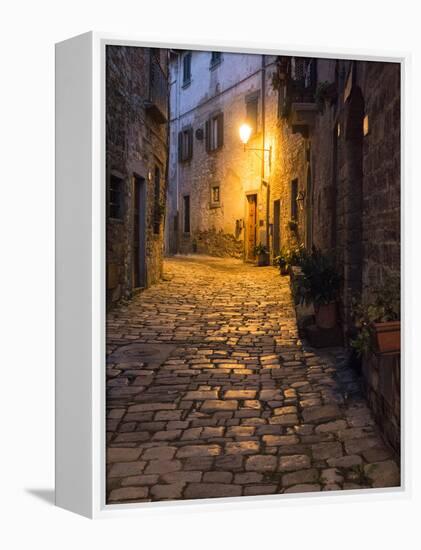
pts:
[326, 315]
[387, 336]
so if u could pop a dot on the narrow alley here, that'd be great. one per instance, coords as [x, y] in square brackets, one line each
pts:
[211, 393]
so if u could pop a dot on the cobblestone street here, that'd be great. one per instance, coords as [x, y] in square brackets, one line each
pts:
[210, 393]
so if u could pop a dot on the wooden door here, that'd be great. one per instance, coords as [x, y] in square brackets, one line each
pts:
[276, 227]
[309, 212]
[139, 233]
[251, 226]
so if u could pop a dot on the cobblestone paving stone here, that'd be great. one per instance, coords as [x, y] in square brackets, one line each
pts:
[228, 401]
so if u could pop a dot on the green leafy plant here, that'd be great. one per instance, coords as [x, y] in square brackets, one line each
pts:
[384, 307]
[319, 283]
[260, 249]
[282, 261]
[296, 255]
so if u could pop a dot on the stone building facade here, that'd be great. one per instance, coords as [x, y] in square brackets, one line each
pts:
[217, 193]
[348, 189]
[348, 117]
[136, 167]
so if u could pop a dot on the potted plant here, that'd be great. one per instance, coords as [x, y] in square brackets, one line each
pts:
[262, 254]
[378, 322]
[282, 261]
[319, 284]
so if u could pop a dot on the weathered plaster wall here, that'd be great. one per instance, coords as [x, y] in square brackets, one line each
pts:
[214, 229]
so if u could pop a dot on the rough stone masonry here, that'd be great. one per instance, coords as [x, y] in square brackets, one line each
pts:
[211, 394]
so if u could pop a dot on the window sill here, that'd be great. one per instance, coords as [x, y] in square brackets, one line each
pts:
[214, 205]
[213, 151]
[186, 84]
[214, 65]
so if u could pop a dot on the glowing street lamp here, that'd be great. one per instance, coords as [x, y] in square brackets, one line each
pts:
[245, 133]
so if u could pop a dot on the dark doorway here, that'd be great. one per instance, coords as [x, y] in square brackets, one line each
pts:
[251, 229]
[139, 233]
[276, 227]
[186, 214]
[309, 211]
[353, 204]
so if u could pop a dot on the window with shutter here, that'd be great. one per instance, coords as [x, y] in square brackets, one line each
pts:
[294, 193]
[185, 145]
[216, 58]
[214, 132]
[115, 198]
[220, 130]
[215, 195]
[207, 135]
[251, 112]
[187, 69]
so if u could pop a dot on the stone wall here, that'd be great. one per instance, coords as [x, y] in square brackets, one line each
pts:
[350, 156]
[213, 243]
[356, 186]
[136, 145]
[382, 376]
[356, 175]
[289, 162]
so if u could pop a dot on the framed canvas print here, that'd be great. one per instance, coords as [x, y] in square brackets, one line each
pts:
[228, 274]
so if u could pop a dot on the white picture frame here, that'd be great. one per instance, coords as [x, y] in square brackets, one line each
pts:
[80, 280]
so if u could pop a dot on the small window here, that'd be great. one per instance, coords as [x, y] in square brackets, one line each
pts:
[157, 214]
[186, 214]
[251, 113]
[216, 58]
[294, 193]
[115, 203]
[215, 132]
[215, 197]
[187, 69]
[185, 145]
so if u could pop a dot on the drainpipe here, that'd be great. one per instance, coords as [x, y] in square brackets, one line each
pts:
[177, 241]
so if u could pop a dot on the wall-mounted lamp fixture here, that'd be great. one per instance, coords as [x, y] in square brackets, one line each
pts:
[300, 199]
[245, 133]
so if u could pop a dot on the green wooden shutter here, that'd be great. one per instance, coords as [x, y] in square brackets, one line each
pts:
[190, 142]
[180, 146]
[220, 130]
[207, 135]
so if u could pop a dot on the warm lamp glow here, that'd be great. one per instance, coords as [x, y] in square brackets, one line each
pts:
[245, 133]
